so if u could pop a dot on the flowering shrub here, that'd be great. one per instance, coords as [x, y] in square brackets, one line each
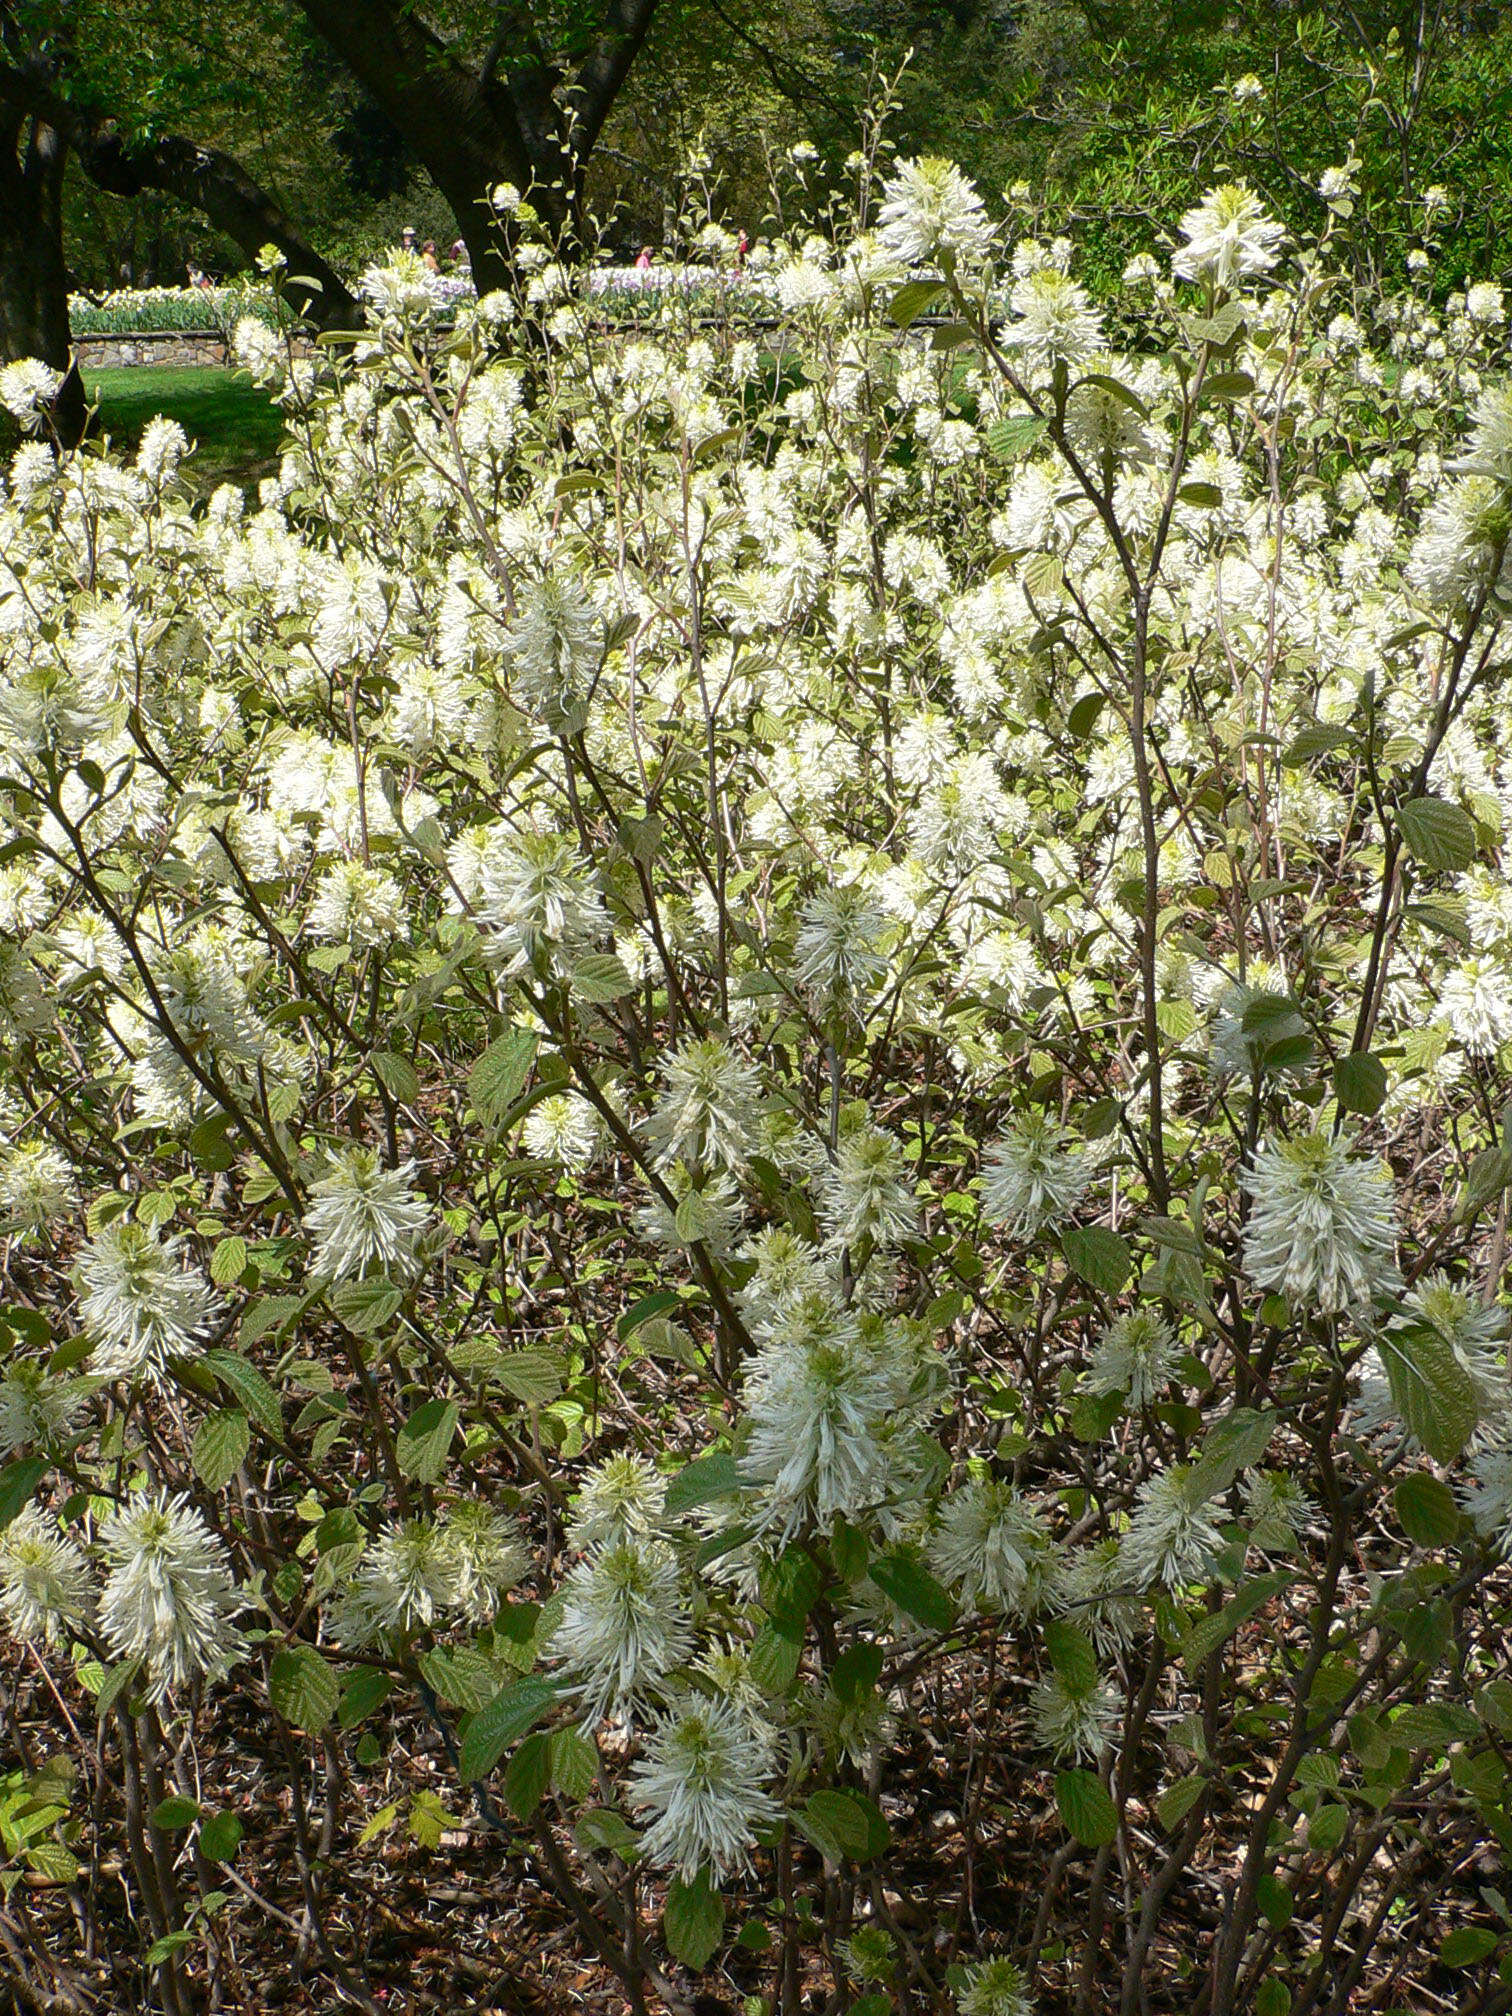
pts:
[770, 1091]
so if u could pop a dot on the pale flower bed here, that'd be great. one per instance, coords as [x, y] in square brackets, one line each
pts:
[767, 1079]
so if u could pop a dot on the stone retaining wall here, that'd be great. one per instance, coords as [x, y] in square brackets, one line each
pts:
[152, 346]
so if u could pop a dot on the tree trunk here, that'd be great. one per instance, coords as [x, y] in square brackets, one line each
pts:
[33, 277]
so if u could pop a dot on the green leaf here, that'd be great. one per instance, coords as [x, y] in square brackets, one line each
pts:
[1208, 1633]
[396, 1075]
[425, 1440]
[220, 1447]
[1086, 1809]
[656, 1304]
[172, 1815]
[1235, 1442]
[302, 1687]
[534, 1378]
[1432, 1725]
[1174, 1804]
[1099, 1257]
[249, 1386]
[1439, 835]
[915, 1591]
[513, 1712]
[856, 1671]
[914, 299]
[228, 1262]
[366, 1306]
[1225, 386]
[220, 1837]
[1083, 716]
[694, 1921]
[528, 1775]
[599, 976]
[18, 1480]
[1071, 1655]
[1426, 1510]
[1202, 496]
[1433, 1392]
[1468, 1945]
[116, 1682]
[498, 1077]
[1275, 1901]
[844, 1826]
[713, 1476]
[366, 1690]
[1325, 1829]
[1316, 739]
[601, 1827]
[1360, 1083]
[1015, 432]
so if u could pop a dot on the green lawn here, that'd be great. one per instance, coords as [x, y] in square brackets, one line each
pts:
[237, 428]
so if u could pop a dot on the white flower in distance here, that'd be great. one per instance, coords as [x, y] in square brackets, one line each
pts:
[1462, 546]
[864, 1193]
[1229, 238]
[1172, 1537]
[1136, 1355]
[357, 906]
[44, 1578]
[930, 210]
[622, 1500]
[1486, 1494]
[1475, 998]
[1056, 322]
[701, 1777]
[1032, 1177]
[706, 1115]
[1277, 1508]
[36, 1186]
[995, 1548]
[535, 894]
[556, 645]
[817, 1399]
[27, 390]
[35, 1406]
[1474, 1332]
[1095, 1587]
[138, 1301]
[1321, 1229]
[1076, 1723]
[837, 956]
[169, 1598]
[363, 1215]
[995, 1988]
[564, 1129]
[487, 1558]
[624, 1624]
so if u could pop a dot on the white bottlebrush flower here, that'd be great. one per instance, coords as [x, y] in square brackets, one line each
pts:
[705, 1214]
[701, 1777]
[27, 389]
[837, 956]
[1462, 545]
[1475, 999]
[706, 1113]
[139, 1302]
[535, 895]
[621, 1500]
[995, 1988]
[1097, 1593]
[787, 1270]
[1032, 1177]
[44, 1579]
[1486, 1494]
[357, 906]
[1073, 1723]
[406, 1581]
[930, 210]
[1136, 1355]
[35, 1406]
[624, 1625]
[362, 1215]
[817, 1399]
[1229, 238]
[564, 1129]
[1321, 1229]
[487, 1558]
[1054, 321]
[995, 1548]
[36, 1186]
[1277, 1509]
[162, 447]
[555, 645]
[864, 1193]
[169, 1599]
[1172, 1537]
